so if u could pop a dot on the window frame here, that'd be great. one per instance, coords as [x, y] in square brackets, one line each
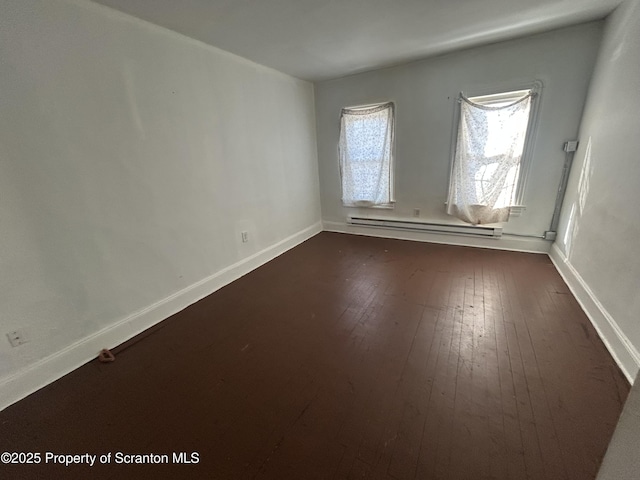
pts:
[497, 94]
[392, 162]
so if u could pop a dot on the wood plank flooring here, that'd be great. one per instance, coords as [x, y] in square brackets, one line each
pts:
[347, 357]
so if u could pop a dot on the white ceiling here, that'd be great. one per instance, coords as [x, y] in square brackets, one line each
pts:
[322, 39]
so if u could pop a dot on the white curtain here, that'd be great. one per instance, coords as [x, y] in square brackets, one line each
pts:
[487, 160]
[365, 150]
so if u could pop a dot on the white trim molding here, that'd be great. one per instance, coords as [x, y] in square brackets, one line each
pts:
[620, 347]
[45, 371]
[516, 244]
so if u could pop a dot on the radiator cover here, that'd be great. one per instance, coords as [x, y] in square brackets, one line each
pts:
[421, 226]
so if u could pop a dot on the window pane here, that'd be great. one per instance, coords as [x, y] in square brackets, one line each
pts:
[487, 160]
[365, 155]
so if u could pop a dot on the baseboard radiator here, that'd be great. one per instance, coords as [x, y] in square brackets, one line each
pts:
[411, 225]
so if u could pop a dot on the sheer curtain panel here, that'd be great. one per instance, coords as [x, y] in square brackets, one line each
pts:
[366, 155]
[487, 159]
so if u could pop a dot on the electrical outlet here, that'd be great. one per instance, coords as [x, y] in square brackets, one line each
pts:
[245, 237]
[17, 338]
[416, 212]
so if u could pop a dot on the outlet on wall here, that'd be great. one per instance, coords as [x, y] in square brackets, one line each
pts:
[17, 338]
[245, 237]
[416, 212]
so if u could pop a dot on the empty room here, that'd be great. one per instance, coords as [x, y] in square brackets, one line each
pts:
[313, 239]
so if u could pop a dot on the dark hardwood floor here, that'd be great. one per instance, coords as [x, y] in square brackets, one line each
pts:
[347, 357]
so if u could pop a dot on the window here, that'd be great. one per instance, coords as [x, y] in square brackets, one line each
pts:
[366, 155]
[486, 178]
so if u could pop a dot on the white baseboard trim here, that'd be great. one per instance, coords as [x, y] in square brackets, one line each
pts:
[619, 346]
[516, 244]
[55, 366]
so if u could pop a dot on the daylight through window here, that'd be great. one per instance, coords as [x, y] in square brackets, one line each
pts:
[366, 155]
[488, 156]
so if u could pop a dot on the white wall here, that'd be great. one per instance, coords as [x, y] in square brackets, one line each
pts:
[131, 158]
[425, 94]
[597, 245]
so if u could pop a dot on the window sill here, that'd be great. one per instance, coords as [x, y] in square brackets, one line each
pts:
[514, 210]
[386, 206]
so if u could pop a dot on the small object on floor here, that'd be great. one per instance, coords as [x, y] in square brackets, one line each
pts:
[106, 356]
